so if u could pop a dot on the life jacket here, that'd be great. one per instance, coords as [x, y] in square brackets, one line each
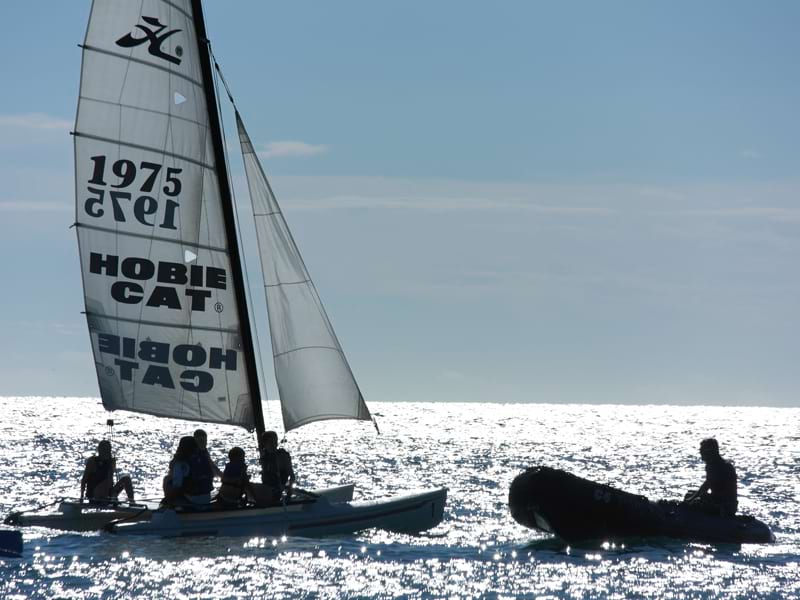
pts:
[234, 480]
[201, 475]
[272, 474]
[102, 471]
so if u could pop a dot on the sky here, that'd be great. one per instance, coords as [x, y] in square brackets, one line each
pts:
[511, 202]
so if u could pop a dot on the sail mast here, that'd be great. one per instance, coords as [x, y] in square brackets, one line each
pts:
[230, 219]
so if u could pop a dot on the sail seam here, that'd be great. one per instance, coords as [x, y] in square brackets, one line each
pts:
[308, 348]
[141, 62]
[272, 285]
[161, 323]
[325, 417]
[178, 8]
[143, 147]
[152, 237]
[148, 110]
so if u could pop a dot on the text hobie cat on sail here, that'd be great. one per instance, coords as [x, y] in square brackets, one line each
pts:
[162, 271]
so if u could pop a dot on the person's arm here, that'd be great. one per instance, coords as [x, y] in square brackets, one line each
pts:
[703, 489]
[173, 486]
[214, 467]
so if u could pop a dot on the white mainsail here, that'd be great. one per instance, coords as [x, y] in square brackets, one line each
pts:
[314, 379]
[159, 291]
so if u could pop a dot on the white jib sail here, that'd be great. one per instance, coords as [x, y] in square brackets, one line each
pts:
[159, 295]
[314, 379]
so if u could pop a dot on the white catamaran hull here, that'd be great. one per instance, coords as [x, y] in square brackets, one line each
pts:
[404, 514]
[83, 516]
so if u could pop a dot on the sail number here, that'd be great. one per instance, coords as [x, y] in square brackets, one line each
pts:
[144, 207]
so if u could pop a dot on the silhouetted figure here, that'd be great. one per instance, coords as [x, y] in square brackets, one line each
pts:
[235, 480]
[201, 437]
[717, 495]
[190, 480]
[97, 483]
[277, 472]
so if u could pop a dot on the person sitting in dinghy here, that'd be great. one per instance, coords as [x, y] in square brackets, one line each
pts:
[97, 483]
[235, 481]
[718, 493]
[277, 472]
[190, 480]
[201, 437]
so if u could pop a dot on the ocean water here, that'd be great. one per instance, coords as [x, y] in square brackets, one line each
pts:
[478, 551]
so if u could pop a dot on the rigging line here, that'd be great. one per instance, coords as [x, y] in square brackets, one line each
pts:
[222, 78]
[248, 294]
[216, 107]
[282, 283]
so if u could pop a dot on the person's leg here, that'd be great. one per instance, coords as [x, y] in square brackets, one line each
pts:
[262, 495]
[124, 483]
[705, 505]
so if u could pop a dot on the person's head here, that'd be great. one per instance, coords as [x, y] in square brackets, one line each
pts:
[104, 449]
[187, 446]
[236, 454]
[269, 441]
[709, 448]
[201, 437]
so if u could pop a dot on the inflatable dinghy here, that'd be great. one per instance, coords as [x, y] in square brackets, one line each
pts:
[577, 509]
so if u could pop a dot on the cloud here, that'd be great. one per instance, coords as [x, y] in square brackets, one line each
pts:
[31, 129]
[35, 121]
[435, 203]
[452, 375]
[325, 193]
[289, 148]
[773, 213]
[749, 153]
[33, 206]
[66, 329]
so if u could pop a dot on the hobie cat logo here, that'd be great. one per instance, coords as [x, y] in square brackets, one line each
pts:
[152, 36]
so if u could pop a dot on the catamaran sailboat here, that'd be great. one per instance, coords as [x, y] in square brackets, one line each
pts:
[163, 282]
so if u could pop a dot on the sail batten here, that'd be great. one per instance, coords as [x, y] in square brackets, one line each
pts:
[314, 379]
[159, 262]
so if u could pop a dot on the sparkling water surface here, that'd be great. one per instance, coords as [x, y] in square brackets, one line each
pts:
[478, 551]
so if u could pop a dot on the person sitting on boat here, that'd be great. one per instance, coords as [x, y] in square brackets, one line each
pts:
[201, 437]
[189, 481]
[277, 473]
[97, 483]
[235, 480]
[718, 494]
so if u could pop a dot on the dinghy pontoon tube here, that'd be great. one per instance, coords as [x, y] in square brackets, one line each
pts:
[577, 509]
